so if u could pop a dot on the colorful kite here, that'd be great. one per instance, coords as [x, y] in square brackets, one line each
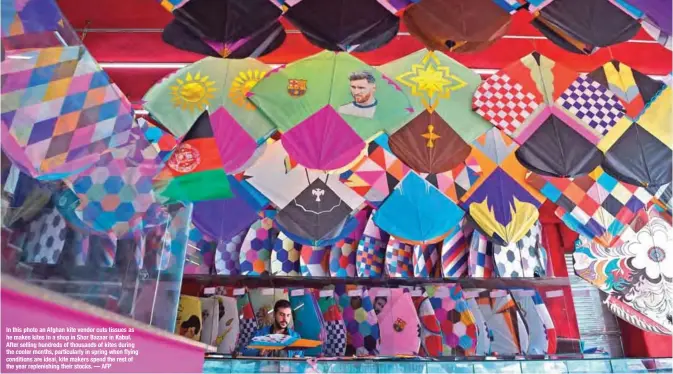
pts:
[314, 208]
[60, 113]
[636, 273]
[500, 202]
[311, 106]
[583, 26]
[398, 321]
[455, 25]
[437, 136]
[417, 212]
[596, 205]
[556, 117]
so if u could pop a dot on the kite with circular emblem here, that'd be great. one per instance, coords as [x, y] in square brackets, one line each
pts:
[398, 321]
[314, 99]
[60, 112]
[635, 273]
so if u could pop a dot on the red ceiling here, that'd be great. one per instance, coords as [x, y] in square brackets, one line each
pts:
[118, 45]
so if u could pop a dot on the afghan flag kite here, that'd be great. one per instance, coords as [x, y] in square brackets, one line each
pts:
[195, 171]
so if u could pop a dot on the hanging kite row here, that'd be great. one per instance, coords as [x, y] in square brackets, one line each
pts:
[252, 29]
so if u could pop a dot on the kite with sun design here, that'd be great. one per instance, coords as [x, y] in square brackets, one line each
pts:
[210, 84]
[206, 103]
[436, 137]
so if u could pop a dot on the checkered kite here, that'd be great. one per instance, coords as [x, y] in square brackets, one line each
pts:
[555, 116]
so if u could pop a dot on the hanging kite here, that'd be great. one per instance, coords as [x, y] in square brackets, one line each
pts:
[636, 150]
[227, 255]
[398, 321]
[431, 332]
[399, 262]
[285, 257]
[342, 25]
[116, 193]
[376, 175]
[335, 343]
[255, 254]
[261, 42]
[454, 256]
[524, 258]
[308, 322]
[223, 219]
[438, 134]
[556, 117]
[208, 85]
[60, 113]
[313, 99]
[362, 324]
[312, 206]
[500, 202]
[455, 319]
[583, 26]
[342, 261]
[417, 212]
[371, 251]
[541, 331]
[636, 273]
[224, 21]
[508, 329]
[455, 25]
[596, 205]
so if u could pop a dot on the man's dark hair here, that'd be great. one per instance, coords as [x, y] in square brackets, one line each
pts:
[194, 322]
[281, 304]
[358, 75]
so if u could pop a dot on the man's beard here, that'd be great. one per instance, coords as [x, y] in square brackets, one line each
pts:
[278, 328]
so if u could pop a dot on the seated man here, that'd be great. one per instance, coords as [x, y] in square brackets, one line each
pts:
[282, 316]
